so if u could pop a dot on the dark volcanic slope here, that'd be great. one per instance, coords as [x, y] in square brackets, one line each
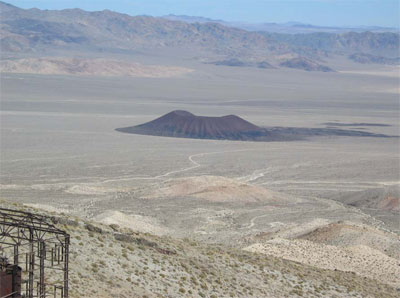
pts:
[186, 125]
[182, 124]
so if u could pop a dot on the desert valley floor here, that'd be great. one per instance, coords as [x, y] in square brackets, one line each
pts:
[300, 200]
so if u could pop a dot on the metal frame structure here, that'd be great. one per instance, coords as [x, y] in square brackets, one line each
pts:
[40, 249]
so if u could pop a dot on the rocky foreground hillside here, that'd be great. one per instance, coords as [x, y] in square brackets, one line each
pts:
[109, 261]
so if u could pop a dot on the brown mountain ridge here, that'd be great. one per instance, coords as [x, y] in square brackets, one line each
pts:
[32, 32]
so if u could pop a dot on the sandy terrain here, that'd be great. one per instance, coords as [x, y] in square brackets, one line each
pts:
[344, 246]
[213, 189]
[138, 223]
[346, 234]
[388, 71]
[361, 259]
[80, 66]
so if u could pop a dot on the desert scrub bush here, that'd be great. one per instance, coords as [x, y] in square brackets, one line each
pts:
[185, 266]
[297, 292]
[110, 253]
[95, 267]
[194, 281]
[182, 290]
[204, 286]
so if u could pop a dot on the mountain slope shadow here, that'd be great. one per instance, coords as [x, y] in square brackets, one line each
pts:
[183, 124]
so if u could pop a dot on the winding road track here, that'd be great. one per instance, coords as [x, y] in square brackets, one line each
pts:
[194, 163]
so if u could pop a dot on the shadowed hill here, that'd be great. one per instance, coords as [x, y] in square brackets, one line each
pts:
[305, 64]
[182, 124]
[385, 198]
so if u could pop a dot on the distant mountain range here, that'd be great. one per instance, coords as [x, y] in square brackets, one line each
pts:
[32, 32]
[289, 28]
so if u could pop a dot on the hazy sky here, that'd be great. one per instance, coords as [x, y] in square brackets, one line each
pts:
[318, 12]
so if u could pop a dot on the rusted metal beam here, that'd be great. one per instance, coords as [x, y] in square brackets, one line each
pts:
[32, 235]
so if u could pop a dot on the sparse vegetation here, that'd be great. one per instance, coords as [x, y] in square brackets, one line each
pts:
[214, 271]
